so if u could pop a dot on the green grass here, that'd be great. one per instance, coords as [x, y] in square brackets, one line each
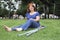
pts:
[51, 32]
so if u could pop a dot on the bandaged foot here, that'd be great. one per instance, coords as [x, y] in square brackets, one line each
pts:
[19, 29]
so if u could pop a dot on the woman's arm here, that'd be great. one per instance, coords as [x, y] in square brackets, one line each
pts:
[37, 18]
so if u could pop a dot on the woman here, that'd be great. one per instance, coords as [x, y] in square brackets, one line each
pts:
[32, 19]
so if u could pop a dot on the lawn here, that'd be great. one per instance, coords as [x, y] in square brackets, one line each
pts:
[51, 32]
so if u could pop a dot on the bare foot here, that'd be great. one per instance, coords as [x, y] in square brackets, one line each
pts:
[7, 28]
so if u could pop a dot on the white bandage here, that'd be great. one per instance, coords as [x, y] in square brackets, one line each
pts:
[19, 29]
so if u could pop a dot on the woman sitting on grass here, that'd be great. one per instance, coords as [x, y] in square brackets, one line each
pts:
[33, 18]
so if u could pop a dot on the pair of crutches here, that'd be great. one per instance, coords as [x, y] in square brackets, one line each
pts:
[28, 33]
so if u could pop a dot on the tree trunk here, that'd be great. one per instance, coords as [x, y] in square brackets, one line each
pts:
[54, 9]
[44, 10]
[47, 12]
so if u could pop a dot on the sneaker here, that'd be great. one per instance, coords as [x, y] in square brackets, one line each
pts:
[42, 27]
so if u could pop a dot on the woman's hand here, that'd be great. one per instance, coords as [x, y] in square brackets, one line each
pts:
[31, 19]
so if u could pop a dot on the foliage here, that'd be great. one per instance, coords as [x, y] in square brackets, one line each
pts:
[3, 12]
[23, 7]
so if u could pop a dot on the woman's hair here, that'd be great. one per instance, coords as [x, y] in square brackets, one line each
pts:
[31, 4]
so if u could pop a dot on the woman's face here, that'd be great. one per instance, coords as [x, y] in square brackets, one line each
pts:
[31, 8]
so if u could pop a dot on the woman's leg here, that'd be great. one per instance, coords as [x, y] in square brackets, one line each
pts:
[14, 28]
[25, 26]
[17, 28]
[35, 24]
[30, 23]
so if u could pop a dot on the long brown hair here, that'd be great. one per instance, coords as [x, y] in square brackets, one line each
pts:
[31, 4]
